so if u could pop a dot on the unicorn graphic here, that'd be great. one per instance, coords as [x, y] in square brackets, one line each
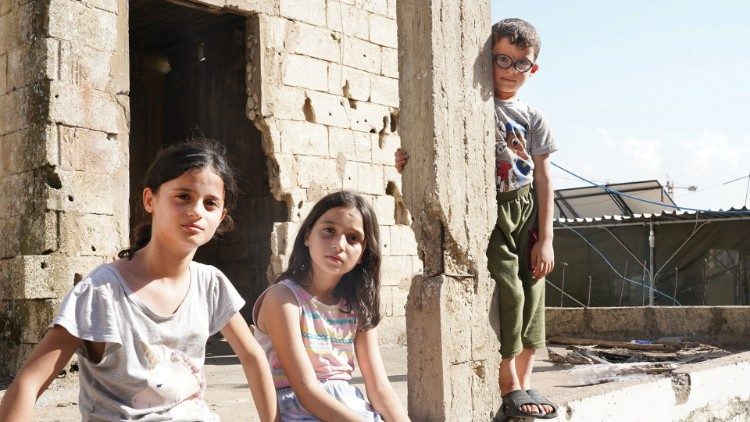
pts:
[173, 378]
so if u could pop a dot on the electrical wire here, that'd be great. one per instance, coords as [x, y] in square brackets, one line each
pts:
[609, 264]
[613, 191]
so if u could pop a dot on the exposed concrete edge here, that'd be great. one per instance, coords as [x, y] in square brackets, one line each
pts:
[715, 390]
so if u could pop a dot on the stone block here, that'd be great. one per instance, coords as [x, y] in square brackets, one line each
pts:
[84, 66]
[400, 295]
[384, 148]
[370, 179]
[402, 240]
[348, 82]
[348, 19]
[24, 322]
[16, 353]
[84, 192]
[23, 108]
[24, 27]
[392, 9]
[384, 90]
[385, 208]
[73, 21]
[79, 106]
[618, 323]
[32, 64]
[392, 331]
[395, 270]
[26, 193]
[375, 6]
[42, 276]
[351, 176]
[383, 31]
[303, 138]
[310, 11]
[328, 109]
[341, 143]
[389, 62]
[31, 233]
[368, 117]
[282, 238]
[305, 72]
[108, 5]
[313, 41]
[87, 150]
[361, 54]
[386, 301]
[315, 170]
[90, 234]
[288, 103]
[266, 7]
[363, 146]
[28, 149]
[385, 237]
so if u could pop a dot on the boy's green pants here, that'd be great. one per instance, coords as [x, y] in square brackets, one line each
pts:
[521, 298]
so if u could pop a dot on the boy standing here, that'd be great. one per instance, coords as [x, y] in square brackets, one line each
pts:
[520, 252]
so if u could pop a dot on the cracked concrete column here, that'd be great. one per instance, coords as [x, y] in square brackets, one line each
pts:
[447, 125]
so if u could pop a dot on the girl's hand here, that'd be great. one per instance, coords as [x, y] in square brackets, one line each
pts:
[542, 259]
[401, 158]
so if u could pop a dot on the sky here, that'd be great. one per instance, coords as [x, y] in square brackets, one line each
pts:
[643, 90]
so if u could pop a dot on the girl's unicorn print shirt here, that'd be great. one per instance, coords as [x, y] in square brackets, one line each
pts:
[328, 333]
[152, 367]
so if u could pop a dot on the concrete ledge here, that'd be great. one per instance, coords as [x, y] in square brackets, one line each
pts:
[722, 326]
[714, 390]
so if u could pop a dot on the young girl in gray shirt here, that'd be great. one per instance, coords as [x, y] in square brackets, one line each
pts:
[139, 325]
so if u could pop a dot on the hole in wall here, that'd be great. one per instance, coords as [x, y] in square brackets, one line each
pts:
[307, 108]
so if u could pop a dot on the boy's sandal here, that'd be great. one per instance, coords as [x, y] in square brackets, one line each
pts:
[542, 401]
[513, 401]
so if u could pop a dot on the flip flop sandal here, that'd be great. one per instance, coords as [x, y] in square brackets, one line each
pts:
[513, 401]
[542, 401]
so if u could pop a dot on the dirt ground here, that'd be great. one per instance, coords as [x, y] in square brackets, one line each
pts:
[227, 393]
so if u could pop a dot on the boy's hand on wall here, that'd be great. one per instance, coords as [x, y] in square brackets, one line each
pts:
[542, 259]
[401, 158]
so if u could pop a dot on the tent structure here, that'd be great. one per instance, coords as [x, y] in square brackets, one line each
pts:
[612, 250]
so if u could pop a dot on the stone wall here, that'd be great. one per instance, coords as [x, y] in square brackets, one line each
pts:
[63, 166]
[322, 86]
[323, 90]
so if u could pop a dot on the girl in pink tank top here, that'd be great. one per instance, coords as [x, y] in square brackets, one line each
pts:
[322, 312]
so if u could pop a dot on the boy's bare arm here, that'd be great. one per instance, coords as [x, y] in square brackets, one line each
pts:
[542, 254]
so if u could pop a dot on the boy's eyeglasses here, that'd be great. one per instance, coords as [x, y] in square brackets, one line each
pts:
[504, 61]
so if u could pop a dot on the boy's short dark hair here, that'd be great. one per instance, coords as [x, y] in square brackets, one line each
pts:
[519, 33]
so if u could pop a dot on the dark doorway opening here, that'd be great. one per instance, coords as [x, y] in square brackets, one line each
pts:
[187, 78]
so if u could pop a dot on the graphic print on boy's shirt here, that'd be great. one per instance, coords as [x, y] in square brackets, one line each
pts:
[513, 163]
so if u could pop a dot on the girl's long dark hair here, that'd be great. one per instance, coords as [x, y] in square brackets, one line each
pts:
[360, 287]
[173, 162]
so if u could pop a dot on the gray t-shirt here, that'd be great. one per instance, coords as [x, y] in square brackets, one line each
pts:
[521, 132]
[152, 367]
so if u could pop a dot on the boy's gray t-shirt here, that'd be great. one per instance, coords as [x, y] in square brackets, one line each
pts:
[521, 132]
[152, 367]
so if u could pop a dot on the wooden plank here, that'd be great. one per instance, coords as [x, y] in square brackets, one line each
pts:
[609, 343]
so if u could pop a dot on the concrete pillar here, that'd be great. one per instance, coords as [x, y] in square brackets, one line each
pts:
[447, 125]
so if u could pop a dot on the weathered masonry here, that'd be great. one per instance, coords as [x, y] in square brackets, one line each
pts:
[304, 94]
